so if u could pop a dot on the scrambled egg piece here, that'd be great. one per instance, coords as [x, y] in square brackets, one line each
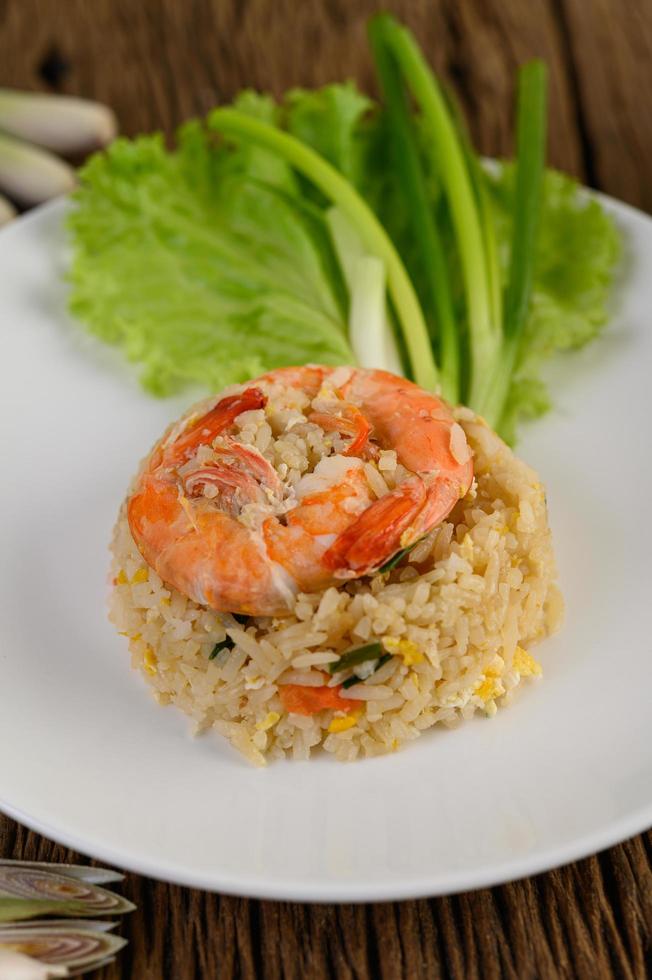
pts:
[268, 721]
[140, 576]
[132, 636]
[344, 723]
[525, 663]
[150, 661]
[467, 548]
[406, 649]
[490, 686]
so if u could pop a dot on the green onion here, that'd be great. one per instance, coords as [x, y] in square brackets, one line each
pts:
[449, 161]
[370, 332]
[530, 163]
[409, 172]
[236, 124]
[226, 644]
[527, 205]
[485, 206]
[352, 681]
[353, 658]
[399, 556]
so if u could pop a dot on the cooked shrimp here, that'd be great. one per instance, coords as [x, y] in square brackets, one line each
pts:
[217, 521]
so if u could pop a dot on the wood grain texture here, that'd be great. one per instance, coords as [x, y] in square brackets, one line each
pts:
[158, 62]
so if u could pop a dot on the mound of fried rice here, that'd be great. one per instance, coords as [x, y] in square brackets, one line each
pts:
[458, 615]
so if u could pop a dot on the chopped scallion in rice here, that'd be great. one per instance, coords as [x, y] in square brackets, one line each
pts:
[442, 634]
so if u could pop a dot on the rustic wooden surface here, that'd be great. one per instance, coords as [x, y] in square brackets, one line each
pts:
[159, 61]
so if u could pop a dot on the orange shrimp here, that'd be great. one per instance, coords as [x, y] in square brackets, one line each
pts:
[213, 517]
[351, 422]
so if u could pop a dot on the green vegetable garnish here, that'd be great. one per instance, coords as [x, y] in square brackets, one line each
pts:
[413, 187]
[577, 251]
[341, 193]
[226, 644]
[329, 228]
[526, 211]
[398, 557]
[447, 154]
[202, 272]
[352, 681]
[353, 658]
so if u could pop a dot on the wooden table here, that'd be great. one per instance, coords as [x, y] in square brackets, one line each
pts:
[159, 61]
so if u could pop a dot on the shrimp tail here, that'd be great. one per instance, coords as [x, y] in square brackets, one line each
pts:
[206, 428]
[356, 426]
[379, 532]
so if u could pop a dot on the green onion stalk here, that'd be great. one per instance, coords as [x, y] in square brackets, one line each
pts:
[239, 126]
[526, 215]
[449, 162]
[413, 186]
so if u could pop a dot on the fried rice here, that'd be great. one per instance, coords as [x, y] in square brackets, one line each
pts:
[455, 619]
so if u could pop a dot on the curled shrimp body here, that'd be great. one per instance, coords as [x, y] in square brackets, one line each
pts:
[221, 521]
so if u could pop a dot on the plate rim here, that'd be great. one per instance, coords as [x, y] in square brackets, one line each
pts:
[326, 891]
[254, 887]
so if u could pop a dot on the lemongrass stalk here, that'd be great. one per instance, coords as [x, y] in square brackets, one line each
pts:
[28, 892]
[60, 123]
[84, 872]
[77, 948]
[29, 175]
[96, 925]
[236, 124]
[19, 966]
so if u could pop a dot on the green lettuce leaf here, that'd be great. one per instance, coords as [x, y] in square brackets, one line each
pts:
[205, 265]
[214, 262]
[332, 121]
[577, 252]
[350, 130]
[577, 255]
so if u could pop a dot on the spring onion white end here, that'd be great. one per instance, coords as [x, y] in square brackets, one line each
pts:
[370, 332]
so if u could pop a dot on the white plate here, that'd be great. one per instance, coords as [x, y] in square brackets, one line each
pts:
[87, 758]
